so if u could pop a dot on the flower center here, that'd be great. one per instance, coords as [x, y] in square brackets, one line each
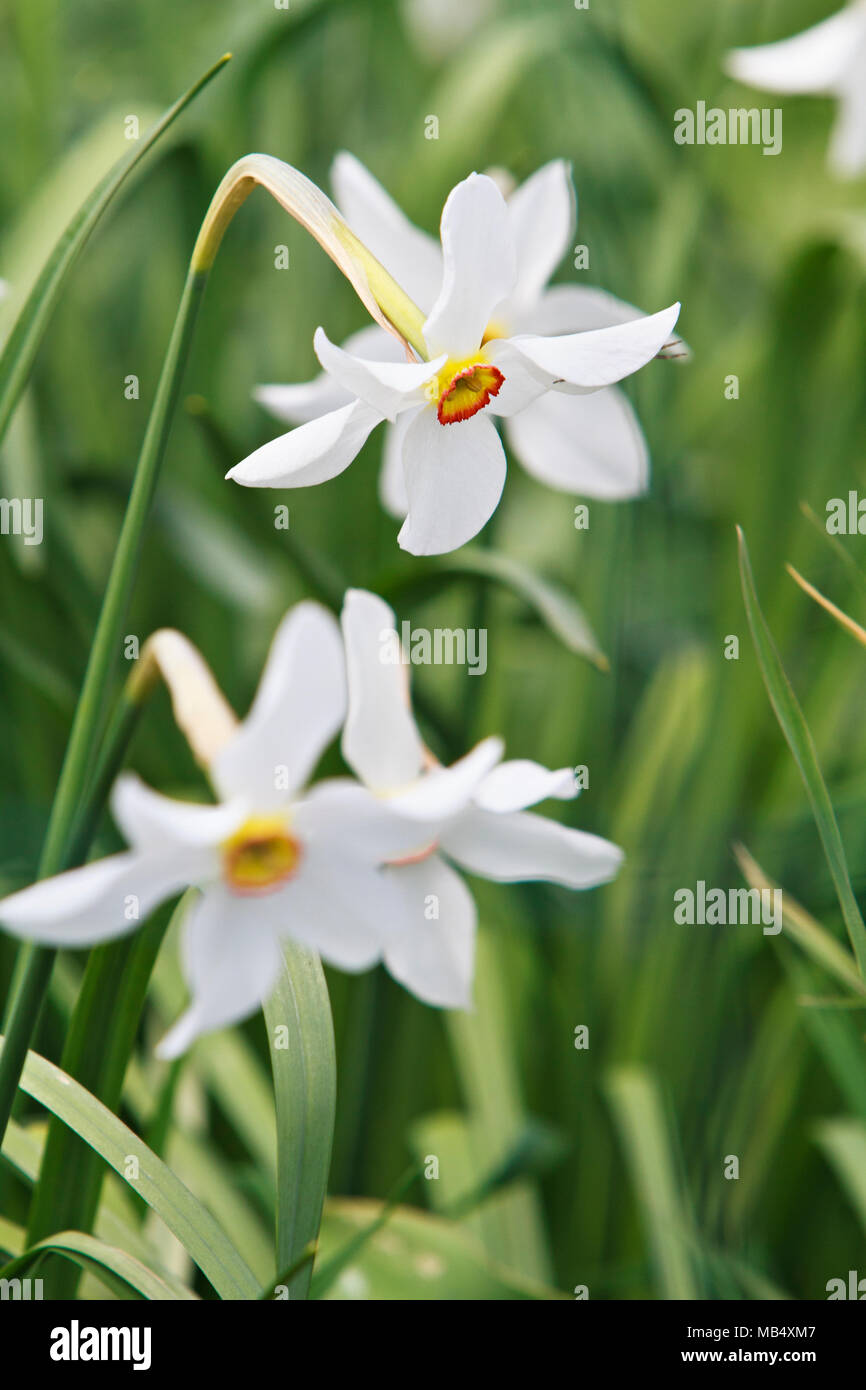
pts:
[260, 855]
[464, 388]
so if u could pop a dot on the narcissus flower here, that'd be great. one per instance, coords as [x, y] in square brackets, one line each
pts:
[472, 815]
[271, 860]
[492, 345]
[826, 60]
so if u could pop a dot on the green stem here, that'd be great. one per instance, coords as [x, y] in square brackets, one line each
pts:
[37, 962]
[106, 643]
[117, 740]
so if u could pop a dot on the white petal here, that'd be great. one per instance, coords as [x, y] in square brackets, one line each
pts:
[454, 480]
[541, 213]
[345, 823]
[589, 445]
[520, 783]
[848, 146]
[297, 404]
[813, 61]
[444, 791]
[601, 356]
[341, 907]
[576, 308]
[392, 485]
[434, 957]
[381, 742]
[520, 846]
[299, 706]
[412, 257]
[387, 387]
[480, 267]
[231, 960]
[102, 900]
[523, 384]
[151, 821]
[311, 453]
[305, 401]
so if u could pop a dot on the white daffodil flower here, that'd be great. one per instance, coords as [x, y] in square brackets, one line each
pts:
[827, 60]
[473, 815]
[494, 346]
[587, 444]
[271, 860]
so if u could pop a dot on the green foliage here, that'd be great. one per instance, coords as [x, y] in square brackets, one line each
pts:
[560, 1167]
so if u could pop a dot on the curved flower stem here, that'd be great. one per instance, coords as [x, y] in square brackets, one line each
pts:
[382, 297]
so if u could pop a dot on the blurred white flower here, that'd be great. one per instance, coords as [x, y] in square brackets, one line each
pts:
[501, 345]
[472, 814]
[826, 60]
[272, 861]
[440, 27]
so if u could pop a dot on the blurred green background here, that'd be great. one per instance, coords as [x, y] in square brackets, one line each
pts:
[601, 1167]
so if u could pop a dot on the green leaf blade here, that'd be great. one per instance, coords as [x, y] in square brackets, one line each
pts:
[23, 342]
[201, 1236]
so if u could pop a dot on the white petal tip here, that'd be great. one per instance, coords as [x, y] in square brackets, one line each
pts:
[175, 1042]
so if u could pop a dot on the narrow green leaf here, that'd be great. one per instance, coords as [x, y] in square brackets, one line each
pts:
[326, 1274]
[416, 1257]
[844, 1143]
[201, 1236]
[815, 940]
[38, 672]
[13, 1238]
[117, 1221]
[553, 605]
[638, 1111]
[301, 1039]
[484, 1050]
[537, 1148]
[793, 725]
[820, 524]
[194, 1161]
[208, 546]
[307, 1255]
[843, 619]
[476, 86]
[120, 1271]
[559, 612]
[23, 342]
[96, 1052]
